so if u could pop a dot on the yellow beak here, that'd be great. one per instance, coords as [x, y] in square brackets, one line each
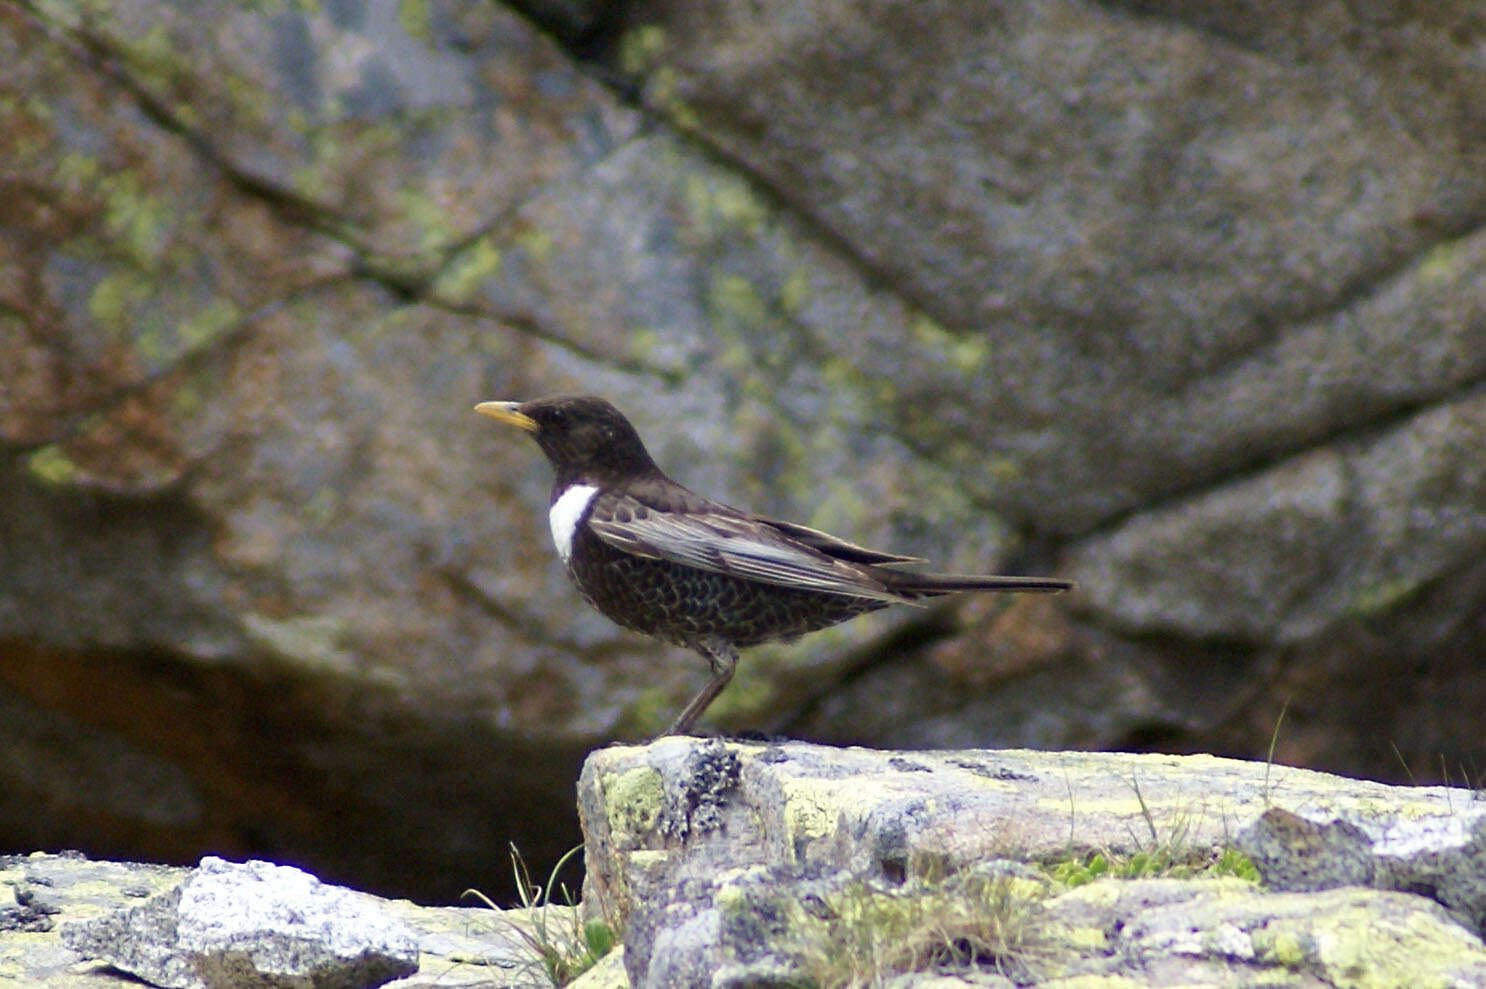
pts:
[506, 412]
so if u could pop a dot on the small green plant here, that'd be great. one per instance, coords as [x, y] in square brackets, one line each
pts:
[1163, 862]
[1232, 862]
[1169, 857]
[563, 944]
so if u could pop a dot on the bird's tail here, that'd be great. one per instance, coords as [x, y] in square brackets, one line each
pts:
[915, 585]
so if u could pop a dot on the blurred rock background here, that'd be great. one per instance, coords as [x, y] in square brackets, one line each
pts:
[1187, 302]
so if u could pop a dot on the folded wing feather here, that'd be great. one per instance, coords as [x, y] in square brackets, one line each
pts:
[743, 547]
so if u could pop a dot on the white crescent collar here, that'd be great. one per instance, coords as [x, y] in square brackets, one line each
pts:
[565, 514]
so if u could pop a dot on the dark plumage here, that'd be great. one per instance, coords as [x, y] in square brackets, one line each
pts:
[660, 559]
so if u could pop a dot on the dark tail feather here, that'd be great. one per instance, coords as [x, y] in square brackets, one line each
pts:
[932, 584]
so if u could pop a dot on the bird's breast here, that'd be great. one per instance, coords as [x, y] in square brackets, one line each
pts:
[566, 512]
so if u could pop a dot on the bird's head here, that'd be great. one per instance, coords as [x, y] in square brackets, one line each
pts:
[585, 438]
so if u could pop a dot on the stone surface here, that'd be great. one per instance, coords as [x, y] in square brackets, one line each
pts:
[1184, 303]
[67, 903]
[1170, 229]
[1296, 854]
[766, 864]
[776, 927]
[1185, 933]
[607, 973]
[1442, 857]
[681, 808]
[753, 864]
[253, 923]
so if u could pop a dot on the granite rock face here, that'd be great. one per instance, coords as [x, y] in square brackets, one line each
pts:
[77, 923]
[774, 864]
[233, 924]
[1183, 304]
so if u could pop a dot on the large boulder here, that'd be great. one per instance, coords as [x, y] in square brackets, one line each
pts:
[774, 864]
[1185, 305]
[745, 864]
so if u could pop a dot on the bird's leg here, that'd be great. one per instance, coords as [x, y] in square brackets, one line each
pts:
[722, 656]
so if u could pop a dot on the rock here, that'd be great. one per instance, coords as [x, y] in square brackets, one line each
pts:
[1439, 856]
[738, 863]
[1139, 270]
[248, 924]
[230, 924]
[773, 926]
[1293, 853]
[1216, 933]
[1183, 300]
[607, 973]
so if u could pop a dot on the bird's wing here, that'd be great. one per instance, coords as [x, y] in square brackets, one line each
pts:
[839, 548]
[733, 544]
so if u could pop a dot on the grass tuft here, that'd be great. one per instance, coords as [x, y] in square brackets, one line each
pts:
[563, 945]
[874, 935]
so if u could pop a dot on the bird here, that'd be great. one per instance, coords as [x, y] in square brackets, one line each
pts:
[659, 559]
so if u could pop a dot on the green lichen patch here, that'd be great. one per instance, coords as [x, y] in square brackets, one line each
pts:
[811, 808]
[633, 801]
[115, 297]
[1366, 939]
[51, 465]
[719, 206]
[309, 640]
[965, 353]
[413, 17]
[1375, 600]
[135, 218]
[642, 48]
